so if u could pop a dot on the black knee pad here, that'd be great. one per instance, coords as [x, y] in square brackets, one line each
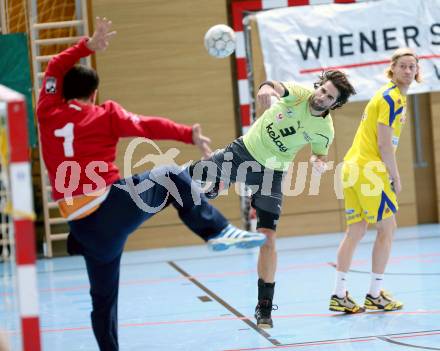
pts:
[266, 219]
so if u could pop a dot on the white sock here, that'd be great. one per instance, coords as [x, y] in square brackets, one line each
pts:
[376, 284]
[340, 289]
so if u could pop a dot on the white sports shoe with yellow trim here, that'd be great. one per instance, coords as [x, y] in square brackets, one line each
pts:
[383, 302]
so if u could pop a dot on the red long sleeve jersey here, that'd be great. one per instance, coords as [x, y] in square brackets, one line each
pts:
[79, 140]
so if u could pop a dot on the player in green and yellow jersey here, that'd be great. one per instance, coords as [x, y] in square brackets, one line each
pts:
[372, 182]
[299, 117]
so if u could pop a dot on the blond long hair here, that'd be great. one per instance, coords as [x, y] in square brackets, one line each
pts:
[398, 54]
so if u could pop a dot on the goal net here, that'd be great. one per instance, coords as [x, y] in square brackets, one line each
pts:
[17, 20]
[18, 286]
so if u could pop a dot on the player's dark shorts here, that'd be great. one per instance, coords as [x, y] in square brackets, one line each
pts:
[235, 164]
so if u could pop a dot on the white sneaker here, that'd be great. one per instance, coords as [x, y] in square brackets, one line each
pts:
[233, 236]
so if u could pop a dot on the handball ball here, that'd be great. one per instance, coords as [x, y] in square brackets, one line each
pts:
[220, 41]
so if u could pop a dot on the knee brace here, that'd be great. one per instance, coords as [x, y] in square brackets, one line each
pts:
[266, 219]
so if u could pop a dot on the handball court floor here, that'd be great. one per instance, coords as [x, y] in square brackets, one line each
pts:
[189, 298]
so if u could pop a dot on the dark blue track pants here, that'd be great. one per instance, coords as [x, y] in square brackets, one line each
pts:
[101, 236]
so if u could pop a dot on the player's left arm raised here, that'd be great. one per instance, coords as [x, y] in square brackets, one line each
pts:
[102, 35]
[51, 93]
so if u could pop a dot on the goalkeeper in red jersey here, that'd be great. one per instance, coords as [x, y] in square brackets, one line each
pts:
[79, 140]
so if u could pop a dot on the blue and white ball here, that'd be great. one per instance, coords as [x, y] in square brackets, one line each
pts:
[220, 41]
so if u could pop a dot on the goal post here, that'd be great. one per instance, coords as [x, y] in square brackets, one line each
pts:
[17, 206]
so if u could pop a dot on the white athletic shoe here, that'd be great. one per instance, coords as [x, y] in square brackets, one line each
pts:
[233, 236]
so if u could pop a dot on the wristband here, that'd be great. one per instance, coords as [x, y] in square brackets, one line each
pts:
[267, 82]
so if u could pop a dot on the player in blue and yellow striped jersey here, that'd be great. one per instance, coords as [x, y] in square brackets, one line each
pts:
[372, 182]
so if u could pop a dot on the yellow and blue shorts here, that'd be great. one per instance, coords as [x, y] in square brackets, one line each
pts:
[368, 193]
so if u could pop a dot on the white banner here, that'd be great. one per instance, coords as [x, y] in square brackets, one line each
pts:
[359, 39]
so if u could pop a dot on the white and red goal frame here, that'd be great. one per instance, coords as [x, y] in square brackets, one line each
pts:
[20, 209]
